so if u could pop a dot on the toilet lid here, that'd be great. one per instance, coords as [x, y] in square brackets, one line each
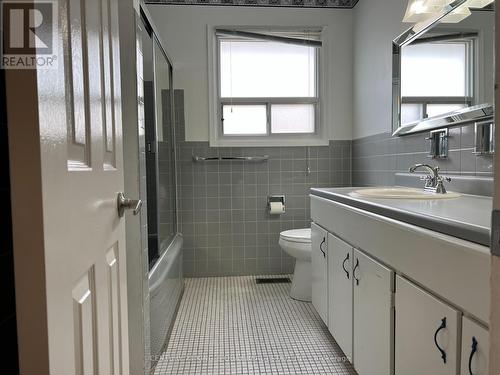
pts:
[297, 235]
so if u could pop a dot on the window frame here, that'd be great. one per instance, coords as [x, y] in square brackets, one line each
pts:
[471, 79]
[216, 101]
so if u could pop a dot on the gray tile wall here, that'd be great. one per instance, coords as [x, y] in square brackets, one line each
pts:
[222, 205]
[377, 158]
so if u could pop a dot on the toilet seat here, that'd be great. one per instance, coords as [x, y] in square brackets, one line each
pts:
[297, 235]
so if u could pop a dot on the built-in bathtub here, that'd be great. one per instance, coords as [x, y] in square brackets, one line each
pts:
[166, 286]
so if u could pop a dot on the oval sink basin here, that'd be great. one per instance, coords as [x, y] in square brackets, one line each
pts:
[400, 193]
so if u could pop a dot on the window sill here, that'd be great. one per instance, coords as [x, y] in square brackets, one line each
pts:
[268, 142]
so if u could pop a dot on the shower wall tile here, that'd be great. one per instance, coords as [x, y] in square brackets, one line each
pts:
[376, 159]
[223, 204]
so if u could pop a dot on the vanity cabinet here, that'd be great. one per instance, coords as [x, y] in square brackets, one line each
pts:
[475, 348]
[400, 325]
[319, 261]
[373, 318]
[340, 293]
[426, 332]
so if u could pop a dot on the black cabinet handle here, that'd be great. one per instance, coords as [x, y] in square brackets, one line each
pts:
[321, 247]
[343, 266]
[442, 326]
[473, 351]
[354, 271]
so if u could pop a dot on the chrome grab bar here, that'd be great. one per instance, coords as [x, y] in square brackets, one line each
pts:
[232, 158]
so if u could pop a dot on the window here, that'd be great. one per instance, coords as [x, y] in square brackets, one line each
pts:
[436, 78]
[267, 85]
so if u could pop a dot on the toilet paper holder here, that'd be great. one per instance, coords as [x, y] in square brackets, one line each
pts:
[275, 199]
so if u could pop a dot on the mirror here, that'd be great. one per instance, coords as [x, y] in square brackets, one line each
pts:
[443, 73]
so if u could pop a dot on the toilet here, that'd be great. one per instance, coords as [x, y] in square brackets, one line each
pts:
[297, 243]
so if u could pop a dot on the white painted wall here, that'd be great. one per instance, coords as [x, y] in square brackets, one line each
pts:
[184, 30]
[376, 24]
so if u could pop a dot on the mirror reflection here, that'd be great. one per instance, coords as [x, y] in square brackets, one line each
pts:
[447, 70]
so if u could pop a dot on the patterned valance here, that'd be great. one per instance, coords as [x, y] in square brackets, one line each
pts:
[264, 3]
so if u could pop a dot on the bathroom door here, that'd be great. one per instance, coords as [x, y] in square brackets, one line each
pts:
[65, 140]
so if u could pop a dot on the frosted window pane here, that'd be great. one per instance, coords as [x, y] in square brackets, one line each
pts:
[440, 109]
[437, 69]
[410, 113]
[244, 119]
[292, 118]
[266, 69]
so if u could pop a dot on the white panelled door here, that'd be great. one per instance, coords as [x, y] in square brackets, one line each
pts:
[82, 173]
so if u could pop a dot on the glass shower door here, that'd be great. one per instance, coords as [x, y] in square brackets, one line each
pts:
[160, 148]
[167, 227]
[164, 243]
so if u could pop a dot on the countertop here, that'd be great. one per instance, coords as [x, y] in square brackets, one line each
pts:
[467, 217]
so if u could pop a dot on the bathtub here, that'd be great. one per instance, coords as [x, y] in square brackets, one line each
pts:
[166, 286]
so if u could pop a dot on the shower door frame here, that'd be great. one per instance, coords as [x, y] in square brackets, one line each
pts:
[146, 19]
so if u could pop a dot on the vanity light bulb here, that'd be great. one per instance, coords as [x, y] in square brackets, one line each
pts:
[418, 7]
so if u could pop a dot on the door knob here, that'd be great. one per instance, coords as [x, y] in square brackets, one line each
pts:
[128, 204]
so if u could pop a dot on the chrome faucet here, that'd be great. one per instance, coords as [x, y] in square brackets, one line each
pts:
[433, 181]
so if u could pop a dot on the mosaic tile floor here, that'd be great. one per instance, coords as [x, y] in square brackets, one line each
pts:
[231, 325]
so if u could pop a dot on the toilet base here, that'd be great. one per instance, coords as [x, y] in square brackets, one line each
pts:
[301, 283]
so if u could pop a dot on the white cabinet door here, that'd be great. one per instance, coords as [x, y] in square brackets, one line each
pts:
[340, 256]
[426, 333]
[475, 348]
[373, 316]
[319, 249]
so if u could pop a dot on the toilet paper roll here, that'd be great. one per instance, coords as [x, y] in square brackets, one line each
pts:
[276, 208]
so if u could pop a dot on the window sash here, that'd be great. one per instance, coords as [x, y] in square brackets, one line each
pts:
[268, 102]
[317, 58]
[470, 68]
[437, 100]
[425, 101]
[272, 100]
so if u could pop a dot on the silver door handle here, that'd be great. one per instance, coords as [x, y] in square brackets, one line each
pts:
[128, 204]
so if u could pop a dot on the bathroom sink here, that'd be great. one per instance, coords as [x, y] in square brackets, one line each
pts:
[400, 193]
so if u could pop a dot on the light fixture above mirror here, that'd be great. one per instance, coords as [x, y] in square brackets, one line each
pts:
[422, 10]
[458, 15]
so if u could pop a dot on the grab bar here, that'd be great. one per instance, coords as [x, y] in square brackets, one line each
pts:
[230, 158]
